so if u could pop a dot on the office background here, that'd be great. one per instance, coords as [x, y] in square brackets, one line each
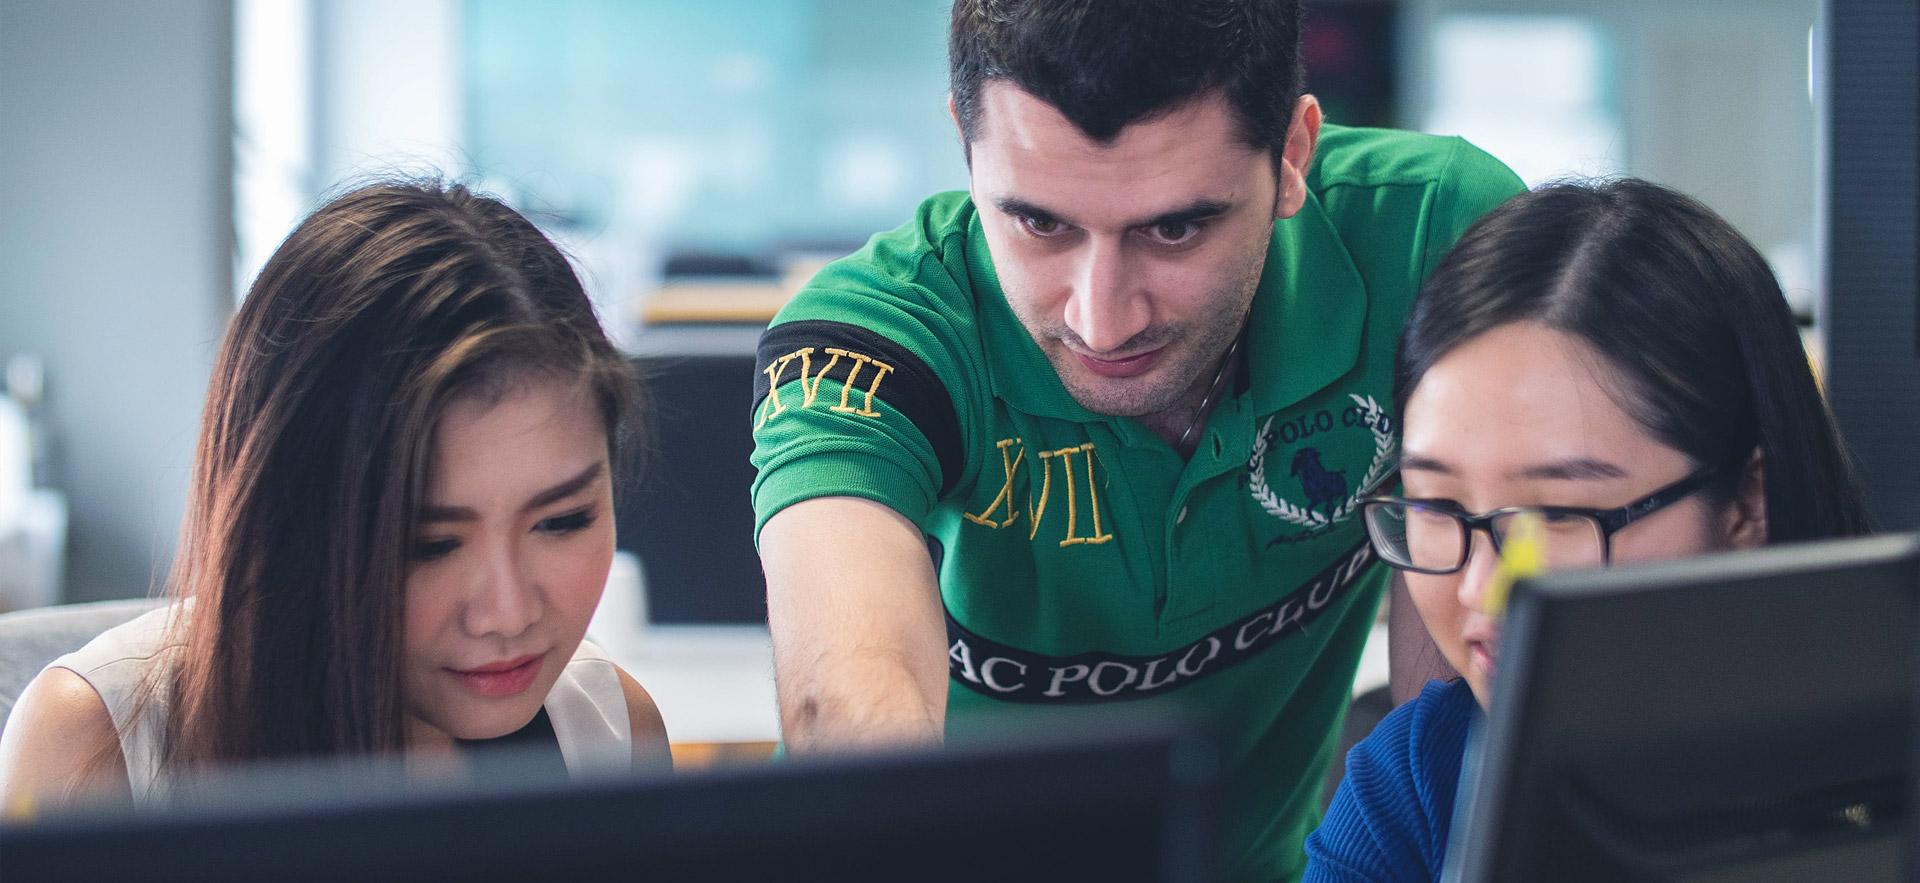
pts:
[153, 154]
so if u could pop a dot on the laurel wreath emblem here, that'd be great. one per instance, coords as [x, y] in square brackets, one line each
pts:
[1383, 448]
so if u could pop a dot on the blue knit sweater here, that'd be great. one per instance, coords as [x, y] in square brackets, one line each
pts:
[1389, 820]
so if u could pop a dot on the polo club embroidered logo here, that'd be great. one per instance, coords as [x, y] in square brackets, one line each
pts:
[1014, 674]
[1328, 496]
[1324, 487]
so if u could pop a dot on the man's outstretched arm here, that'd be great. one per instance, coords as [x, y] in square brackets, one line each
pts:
[859, 642]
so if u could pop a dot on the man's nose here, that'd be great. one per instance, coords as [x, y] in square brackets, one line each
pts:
[1103, 309]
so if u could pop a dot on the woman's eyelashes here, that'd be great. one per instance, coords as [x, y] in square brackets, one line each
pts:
[577, 520]
[433, 550]
[558, 525]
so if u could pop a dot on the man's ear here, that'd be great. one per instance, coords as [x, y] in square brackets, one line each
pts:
[1296, 156]
[1746, 517]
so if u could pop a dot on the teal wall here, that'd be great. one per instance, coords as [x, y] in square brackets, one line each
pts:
[726, 125]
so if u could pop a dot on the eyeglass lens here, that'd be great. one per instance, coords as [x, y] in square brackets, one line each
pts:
[1436, 539]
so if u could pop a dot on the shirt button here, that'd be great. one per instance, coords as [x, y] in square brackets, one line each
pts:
[1182, 517]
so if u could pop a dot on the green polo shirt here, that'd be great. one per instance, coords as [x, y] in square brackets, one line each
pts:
[1080, 559]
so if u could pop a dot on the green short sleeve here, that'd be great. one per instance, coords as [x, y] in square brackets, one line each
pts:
[865, 377]
[1472, 184]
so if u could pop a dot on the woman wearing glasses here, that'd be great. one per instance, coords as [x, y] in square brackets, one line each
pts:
[1618, 361]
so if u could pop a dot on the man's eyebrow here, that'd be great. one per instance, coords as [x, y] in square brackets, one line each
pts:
[1572, 469]
[1419, 463]
[553, 494]
[1014, 205]
[1200, 210]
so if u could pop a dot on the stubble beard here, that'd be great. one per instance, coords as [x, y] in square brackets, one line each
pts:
[1197, 347]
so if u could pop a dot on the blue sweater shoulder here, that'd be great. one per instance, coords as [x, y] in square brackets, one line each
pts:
[1390, 816]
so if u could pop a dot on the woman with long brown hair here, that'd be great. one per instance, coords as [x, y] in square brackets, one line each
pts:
[399, 523]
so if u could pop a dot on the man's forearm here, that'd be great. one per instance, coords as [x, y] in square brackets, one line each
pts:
[872, 705]
[859, 645]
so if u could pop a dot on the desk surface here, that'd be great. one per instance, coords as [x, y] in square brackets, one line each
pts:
[743, 301]
[712, 683]
[749, 300]
[715, 683]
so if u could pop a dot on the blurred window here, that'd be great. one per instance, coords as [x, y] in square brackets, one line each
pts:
[1557, 119]
[272, 128]
[742, 127]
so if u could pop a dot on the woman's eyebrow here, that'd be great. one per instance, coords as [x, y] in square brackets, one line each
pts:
[1422, 463]
[561, 491]
[566, 488]
[1570, 469]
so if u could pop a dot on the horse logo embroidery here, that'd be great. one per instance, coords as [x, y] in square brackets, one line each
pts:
[1325, 488]
[1330, 497]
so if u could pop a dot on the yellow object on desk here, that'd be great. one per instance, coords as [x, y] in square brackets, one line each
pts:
[19, 809]
[1522, 554]
[736, 301]
[689, 756]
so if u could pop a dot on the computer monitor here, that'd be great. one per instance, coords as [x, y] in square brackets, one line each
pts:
[1135, 804]
[1867, 71]
[1733, 717]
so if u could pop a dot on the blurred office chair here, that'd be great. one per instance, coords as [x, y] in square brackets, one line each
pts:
[690, 519]
[29, 639]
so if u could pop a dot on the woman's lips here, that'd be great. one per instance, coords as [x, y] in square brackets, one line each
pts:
[1127, 367]
[498, 679]
[1480, 654]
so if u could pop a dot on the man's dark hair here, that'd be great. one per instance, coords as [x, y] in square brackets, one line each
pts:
[1107, 64]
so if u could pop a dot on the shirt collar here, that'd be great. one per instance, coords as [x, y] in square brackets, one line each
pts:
[1309, 316]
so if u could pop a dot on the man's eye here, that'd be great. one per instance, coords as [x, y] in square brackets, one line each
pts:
[433, 550]
[1177, 233]
[1042, 227]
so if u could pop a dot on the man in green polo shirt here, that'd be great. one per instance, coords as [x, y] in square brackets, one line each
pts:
[1095, 430]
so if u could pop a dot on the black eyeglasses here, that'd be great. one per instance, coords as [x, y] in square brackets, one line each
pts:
[1436, 536]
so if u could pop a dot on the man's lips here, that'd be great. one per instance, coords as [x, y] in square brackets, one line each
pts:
[1127, 367]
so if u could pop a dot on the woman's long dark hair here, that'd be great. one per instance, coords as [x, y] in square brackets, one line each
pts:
[384, 305]
[1704, 350]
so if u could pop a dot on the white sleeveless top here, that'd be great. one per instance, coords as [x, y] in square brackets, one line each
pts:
[587, 706]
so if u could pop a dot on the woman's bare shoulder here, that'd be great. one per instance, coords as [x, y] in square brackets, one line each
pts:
[60, 744]
[649, 730]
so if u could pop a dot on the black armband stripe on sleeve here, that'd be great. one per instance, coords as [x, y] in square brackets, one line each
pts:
[912, 388]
